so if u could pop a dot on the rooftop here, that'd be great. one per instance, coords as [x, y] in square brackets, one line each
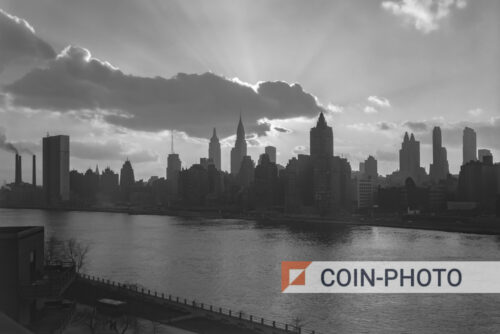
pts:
[17, 232]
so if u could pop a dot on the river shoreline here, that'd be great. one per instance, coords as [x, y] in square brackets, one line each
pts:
[472, 225]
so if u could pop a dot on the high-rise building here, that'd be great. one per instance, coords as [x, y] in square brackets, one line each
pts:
[482, 153]
[321, 148]
[247, 171]
[469, 145]
[439, 168]
[56, 169]
[409, 157]
[214, 150]
[239, 150]
[271, 153]
[370, 168]
[321, 139]
[174, 165]
[127, 178]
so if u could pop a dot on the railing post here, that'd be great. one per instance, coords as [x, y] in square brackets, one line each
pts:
[149, 292]
[262, 321]
[251, 318]
[202, 306]
[286, 327]
[185, 301]
[177, 299]
[211, 308]
[162, 296]
[229, 312]
[155, 294]
[240, 315]
[220, 310]
[274, 323]
[194, 304]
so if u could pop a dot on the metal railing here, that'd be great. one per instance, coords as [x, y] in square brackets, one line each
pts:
[53, 285]
[198, 306]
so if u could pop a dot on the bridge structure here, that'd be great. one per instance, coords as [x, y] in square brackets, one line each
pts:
[175, 311]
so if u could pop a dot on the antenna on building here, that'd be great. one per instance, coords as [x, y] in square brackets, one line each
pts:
[172, 142]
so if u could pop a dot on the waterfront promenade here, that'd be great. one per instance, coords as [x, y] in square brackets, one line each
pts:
[191, 315]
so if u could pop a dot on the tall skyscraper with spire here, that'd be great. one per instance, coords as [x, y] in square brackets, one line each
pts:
[239, 150]
[214, 150]
[439, 168]
[469, 145]
[321, 139]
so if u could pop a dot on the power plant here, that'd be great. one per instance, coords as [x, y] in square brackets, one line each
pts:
[18, 170]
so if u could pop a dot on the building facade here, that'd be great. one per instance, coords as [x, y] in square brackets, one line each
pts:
[56, 169]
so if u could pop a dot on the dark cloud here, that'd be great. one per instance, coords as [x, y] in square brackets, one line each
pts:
[384, 126]
[188, 102]
[277, 128]
[416, 126]
[109, 151]
[19, 43]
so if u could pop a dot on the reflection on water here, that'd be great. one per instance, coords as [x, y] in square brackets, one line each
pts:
[236, 264]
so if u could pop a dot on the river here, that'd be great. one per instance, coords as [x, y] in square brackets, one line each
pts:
[236, 264]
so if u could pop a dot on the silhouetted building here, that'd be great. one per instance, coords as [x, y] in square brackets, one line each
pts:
[247, 171]
[362, 167]
[214, 150]
[173, 169]
[477, 182]
[482, 153]
[298, 187]
[409, 156]
[439, 168]
[370, 168]
[271, 152]
[469, 145]
[56, 169]
[21, 263]
[366, 190]
[193, 185]
[321, 139]
[266, 182]
[109, 181]
[127, 178]
[239, 151]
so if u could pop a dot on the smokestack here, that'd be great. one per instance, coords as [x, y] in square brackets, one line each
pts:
[18, 169]
[34, 170]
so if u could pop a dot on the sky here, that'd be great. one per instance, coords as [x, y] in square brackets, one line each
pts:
[119, 76]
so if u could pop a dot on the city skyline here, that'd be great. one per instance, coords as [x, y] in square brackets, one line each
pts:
[367, 120]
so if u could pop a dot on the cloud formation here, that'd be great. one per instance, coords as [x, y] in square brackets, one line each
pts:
[194, 103]
[425, 15]
[19, 43]
[109, 151]
[379, 101]
[416, 126]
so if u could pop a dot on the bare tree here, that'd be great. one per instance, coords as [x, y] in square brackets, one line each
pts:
[54, 249]
[88, 317]
[77, 252]
[298, 323]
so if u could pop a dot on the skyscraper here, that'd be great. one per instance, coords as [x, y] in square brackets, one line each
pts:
[239, 150]
[173, 169]
[127, 178]
[469, 145]
[321, 148]
[214, 150]
[56, 169]
[409, 156]
[321, 139]
[439, 168]
[371, 169]
[482, 153]
[271, 153]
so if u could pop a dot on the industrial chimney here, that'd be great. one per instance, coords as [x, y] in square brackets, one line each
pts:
[18, 169]
[34, 170]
